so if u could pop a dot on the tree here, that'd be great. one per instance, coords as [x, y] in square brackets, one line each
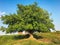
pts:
[2, 28]
[29, 18]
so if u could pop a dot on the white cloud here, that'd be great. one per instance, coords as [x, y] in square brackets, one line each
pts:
[2, 13]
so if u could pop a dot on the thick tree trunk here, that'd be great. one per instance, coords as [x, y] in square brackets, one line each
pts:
[31, 37]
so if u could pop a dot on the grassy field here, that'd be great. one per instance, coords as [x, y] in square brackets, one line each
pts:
[39, 39]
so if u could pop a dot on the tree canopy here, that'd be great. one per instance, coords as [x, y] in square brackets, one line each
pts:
[29, 18]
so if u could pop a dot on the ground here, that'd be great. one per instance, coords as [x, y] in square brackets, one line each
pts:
[44, 39]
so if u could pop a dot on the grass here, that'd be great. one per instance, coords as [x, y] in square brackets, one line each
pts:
[39, 39]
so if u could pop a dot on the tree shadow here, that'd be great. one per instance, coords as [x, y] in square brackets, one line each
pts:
[37, 36]
[21, 36]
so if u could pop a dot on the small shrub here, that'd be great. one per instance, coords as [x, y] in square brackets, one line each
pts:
[37, 36]
[21, 36]
[58, 32]
[56, 41]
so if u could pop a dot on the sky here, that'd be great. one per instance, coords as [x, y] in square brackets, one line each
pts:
[52, 6]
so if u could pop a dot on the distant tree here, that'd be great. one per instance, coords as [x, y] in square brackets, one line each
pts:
[29, 18]
[2, 28]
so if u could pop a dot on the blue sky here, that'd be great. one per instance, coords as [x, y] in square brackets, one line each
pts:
[52, 6]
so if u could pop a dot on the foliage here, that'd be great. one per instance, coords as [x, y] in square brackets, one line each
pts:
[2, 28]
[58, 32]
[14, 37]
[56, 41]
[37, 35]
[29, 18]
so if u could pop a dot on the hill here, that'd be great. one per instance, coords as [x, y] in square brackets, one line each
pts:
[39, 39]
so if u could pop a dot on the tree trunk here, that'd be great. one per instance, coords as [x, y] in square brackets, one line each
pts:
[31, 37]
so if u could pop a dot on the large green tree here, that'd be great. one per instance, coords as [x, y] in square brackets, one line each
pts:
[30, 18]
